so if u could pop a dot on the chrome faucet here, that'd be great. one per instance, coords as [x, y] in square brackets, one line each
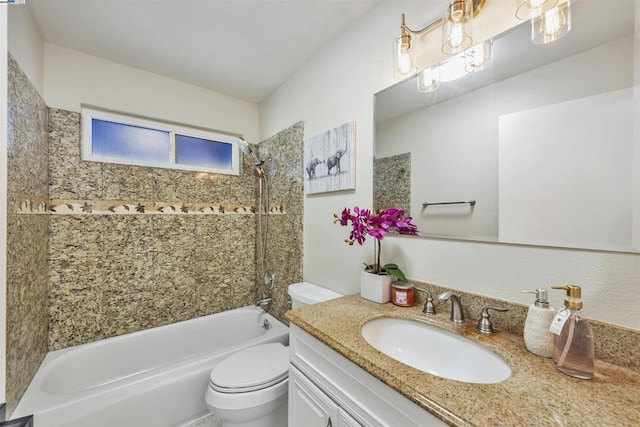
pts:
[457, 314]
[264, 302]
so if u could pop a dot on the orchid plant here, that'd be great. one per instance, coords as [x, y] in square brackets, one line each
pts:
[364, 223]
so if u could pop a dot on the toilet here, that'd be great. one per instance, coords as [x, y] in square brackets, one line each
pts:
[249, 388]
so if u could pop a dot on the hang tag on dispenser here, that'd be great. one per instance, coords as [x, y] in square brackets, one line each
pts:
[559, 321]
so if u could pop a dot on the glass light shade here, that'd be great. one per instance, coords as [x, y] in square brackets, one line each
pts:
[429, 79]
[527, 9]
[551, 25]
[457, 22]
[479, 56]
[403, 57]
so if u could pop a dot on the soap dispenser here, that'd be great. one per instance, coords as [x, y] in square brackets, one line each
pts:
[537, 337]
[573, 341]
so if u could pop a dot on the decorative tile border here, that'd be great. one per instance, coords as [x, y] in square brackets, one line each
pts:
[38, 205]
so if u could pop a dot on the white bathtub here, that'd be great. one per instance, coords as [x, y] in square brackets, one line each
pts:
[156, 377]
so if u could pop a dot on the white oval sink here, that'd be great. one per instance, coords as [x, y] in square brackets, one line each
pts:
[435, 351]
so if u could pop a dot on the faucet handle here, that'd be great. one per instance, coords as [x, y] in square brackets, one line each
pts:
[484, 323]
[429, 307]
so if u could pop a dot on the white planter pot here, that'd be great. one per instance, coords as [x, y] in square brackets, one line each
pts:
[375, 287]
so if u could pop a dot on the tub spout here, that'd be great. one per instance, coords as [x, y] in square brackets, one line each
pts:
[264, 302]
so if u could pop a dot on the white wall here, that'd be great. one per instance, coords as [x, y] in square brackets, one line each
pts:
[579, 196]
[26, 44]
[3, 201]
[337, 85]
[73, 78]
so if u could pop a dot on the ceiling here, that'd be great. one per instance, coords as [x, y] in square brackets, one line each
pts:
[241, 48]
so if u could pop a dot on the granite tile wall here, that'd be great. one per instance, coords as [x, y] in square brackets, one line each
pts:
[27, 314]
[392, 183]
[284, 246]
[135, 247]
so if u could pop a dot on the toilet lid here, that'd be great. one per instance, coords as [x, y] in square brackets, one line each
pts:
[253, 368]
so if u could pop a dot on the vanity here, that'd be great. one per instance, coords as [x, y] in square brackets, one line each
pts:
[339, 379]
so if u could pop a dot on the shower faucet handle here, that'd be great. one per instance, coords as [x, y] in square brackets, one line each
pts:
[264, 302]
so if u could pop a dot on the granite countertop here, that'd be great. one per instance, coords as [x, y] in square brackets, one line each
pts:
[535, 393]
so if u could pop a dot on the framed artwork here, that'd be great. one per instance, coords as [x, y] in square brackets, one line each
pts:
[329, 160]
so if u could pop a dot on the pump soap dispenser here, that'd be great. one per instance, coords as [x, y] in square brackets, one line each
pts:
[537, 337]
[573, 341]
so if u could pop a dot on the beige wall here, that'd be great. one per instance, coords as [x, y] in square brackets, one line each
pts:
[26, 44]
[338, 85]
[73, 78]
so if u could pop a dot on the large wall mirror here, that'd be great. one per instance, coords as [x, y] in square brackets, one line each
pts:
[542, 146]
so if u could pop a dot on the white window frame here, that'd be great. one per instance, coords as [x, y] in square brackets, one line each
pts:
[90, 113]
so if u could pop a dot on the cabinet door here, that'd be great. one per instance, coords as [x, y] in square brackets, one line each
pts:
[346, 420]
[308, 405]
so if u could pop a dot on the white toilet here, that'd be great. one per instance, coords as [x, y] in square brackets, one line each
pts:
[249, 388]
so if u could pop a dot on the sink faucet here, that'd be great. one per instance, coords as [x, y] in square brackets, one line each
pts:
[457, 314]
[264, 302]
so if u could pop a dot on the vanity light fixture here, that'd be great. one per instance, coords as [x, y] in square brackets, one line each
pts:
[528, 9]
[457, 21]
[456, 26]
[429, 79]
[478, 57]
[403, 49]
[403, 55]
[552, 24]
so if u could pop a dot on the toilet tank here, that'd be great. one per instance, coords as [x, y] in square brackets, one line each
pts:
[306, 293]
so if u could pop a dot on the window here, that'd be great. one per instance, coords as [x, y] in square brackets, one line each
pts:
[119, 138]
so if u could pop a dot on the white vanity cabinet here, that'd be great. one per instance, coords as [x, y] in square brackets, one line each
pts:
[311, 407]
[326, 389]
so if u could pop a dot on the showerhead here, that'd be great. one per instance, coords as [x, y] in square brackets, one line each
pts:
[246, 149]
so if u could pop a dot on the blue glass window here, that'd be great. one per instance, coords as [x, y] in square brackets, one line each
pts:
[112, 137]
[203, 152]
[133, 143]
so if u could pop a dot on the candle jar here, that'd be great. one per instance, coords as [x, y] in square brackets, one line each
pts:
[402, 294]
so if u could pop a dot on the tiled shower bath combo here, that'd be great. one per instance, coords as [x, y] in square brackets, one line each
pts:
[100, 250]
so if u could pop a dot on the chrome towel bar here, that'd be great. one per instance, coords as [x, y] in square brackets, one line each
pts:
[470, 202]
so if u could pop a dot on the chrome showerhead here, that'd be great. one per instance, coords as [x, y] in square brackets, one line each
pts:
[246, 149]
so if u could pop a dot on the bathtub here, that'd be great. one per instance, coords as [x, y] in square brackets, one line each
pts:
[156, 377]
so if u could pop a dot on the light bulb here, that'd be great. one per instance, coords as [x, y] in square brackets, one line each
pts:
[429, 79]
[404, 64]
[551, 25]
[455, 40]
[457, 20]
[528, 9]
[479, 56]
[551, 21]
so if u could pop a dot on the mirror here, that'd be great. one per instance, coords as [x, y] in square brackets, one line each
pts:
[541, 147]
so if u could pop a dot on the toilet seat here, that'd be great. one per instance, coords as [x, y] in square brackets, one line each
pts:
[254, 368]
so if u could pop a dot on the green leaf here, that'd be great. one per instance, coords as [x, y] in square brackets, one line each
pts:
[395, 272]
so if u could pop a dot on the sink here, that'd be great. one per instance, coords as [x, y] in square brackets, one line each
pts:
[435, 351]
